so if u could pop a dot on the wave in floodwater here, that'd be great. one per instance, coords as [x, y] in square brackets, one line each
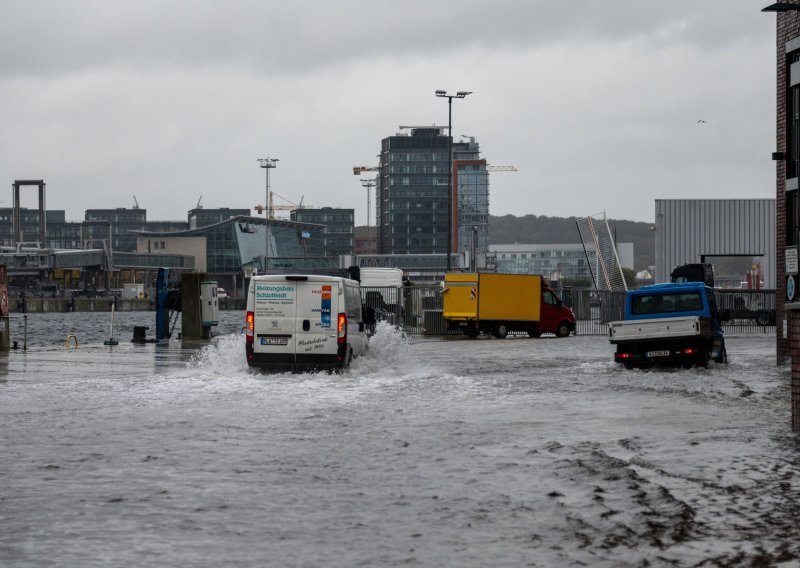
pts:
[389, 354]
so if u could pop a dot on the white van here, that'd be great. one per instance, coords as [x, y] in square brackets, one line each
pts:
[303, 322]
[382, 291]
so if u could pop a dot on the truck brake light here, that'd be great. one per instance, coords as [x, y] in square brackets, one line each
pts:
[623, 355]
[249, 327]
[341, 328]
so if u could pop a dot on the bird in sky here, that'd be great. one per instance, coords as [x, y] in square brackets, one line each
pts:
[701, 121]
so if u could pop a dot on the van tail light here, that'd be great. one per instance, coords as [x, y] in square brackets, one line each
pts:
[341, 328]
[249, 329]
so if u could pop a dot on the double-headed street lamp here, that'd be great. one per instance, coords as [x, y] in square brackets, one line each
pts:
[267, 164]
[458, 95]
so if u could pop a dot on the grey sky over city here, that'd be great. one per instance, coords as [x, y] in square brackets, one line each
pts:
[600, 105]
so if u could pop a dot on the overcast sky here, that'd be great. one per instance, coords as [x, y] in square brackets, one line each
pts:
[596, 103]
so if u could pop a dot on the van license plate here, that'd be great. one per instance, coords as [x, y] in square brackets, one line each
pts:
[663, 353]
[274, 341]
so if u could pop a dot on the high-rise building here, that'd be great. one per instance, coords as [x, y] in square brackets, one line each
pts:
[471, 183]
[412, 196]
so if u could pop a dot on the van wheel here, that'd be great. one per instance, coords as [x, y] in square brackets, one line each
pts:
[500, 331]
[562, 330]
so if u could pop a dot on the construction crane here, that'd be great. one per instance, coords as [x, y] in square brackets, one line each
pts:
[271, 208]
[358, 170]
[135, 203]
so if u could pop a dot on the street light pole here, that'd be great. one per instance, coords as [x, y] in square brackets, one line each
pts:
[369, 184]
[458, 95]
[267, 164]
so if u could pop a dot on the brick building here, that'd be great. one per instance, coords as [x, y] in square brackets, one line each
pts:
[787, 158]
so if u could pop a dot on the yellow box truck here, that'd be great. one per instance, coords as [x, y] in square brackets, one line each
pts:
[496, 304]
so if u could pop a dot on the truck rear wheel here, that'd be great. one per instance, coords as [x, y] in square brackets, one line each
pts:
[500, 331]
[562, 330]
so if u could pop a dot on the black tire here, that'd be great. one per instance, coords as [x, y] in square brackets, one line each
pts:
[500, 331]
[562, 330]
[763, 318]
[723, 357]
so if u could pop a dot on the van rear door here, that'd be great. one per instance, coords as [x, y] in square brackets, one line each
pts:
[275, 311]
[317, 317]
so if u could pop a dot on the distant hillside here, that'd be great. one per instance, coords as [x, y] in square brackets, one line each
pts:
[533, 229]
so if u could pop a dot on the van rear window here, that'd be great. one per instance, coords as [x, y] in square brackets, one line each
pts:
[666, 303]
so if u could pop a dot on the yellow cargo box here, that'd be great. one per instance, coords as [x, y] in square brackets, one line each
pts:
[460, 296]
[509, 297]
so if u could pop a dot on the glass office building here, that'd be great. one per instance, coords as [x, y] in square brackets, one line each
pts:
[238, 242]
[412, 195]
[337, 230]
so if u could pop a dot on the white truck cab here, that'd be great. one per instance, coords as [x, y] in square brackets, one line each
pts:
[303, 323]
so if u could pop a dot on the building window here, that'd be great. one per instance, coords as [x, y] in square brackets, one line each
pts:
[793, 121]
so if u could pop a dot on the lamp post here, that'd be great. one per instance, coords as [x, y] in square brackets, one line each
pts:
[458, 95]
[369, 184]
[267, 164]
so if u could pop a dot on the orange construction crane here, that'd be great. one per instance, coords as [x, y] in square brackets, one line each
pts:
[358, 170]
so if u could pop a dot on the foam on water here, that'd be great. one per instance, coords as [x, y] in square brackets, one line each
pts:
[223, 357]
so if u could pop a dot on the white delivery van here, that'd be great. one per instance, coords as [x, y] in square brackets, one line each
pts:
[381, 289]
[303, 322]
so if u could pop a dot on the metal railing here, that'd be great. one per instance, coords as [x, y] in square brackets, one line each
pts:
[418, 309]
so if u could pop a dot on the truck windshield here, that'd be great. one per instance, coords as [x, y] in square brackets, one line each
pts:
[666, 303]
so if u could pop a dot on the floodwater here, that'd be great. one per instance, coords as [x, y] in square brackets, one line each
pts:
[428, 452]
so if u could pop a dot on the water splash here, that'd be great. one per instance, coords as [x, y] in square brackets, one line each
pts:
[389, 350]
[225, 355]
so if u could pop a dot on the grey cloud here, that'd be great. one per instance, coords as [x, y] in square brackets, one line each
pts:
[289, 37]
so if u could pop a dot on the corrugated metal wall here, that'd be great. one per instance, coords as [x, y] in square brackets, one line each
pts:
[686, 229]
